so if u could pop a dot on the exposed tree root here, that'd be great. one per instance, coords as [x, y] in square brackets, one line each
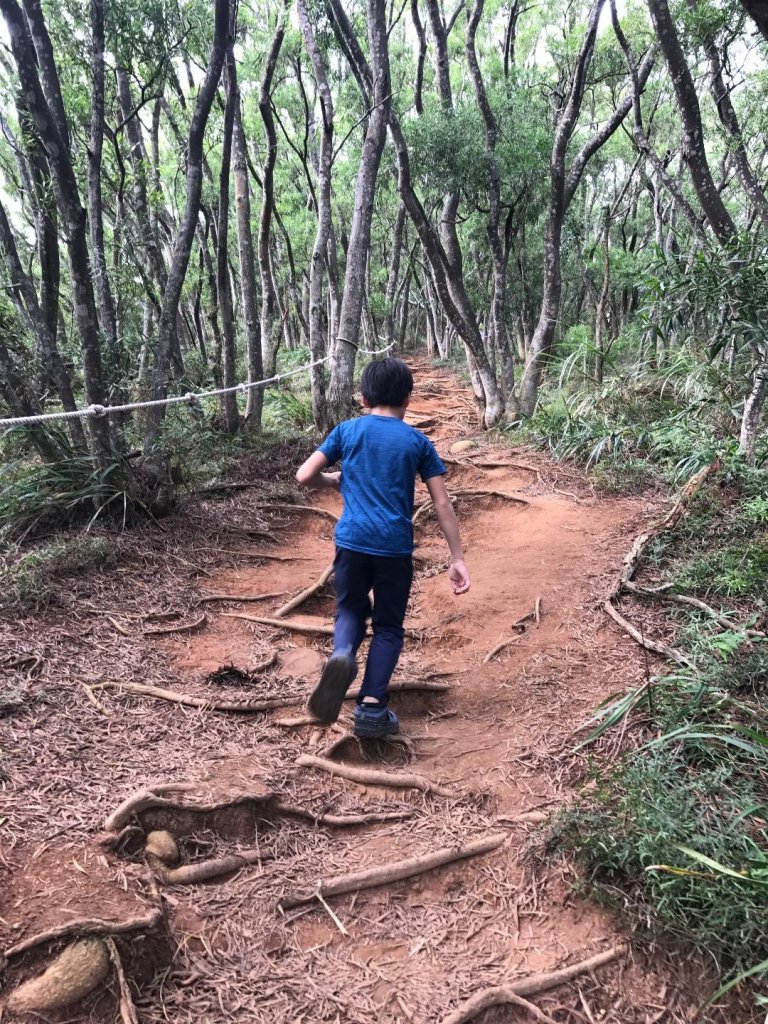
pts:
[456, 495]
[305, 595]
[204, 870]
[371, 878]
[632, 560]
[341, 820]
[238, 598]
[88, 926]
[71, 976]
[529, 986]
[670, 520]
[650, 645]
[725, 619]
[302, 508]
[182, 627]
[521, 625]
[153, 796]
[247, 707]
[372, 777]
[128, 1013]
[319, 629]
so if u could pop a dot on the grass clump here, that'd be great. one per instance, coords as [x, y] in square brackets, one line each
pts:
[633, 838]
[32, 578]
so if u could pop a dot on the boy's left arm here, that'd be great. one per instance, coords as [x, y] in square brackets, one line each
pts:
[310, 473]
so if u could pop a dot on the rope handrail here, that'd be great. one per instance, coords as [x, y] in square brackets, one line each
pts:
[189, 398]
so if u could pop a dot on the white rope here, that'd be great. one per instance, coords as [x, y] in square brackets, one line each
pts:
[189, 398]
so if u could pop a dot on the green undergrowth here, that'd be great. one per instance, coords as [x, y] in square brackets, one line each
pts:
[671, 824]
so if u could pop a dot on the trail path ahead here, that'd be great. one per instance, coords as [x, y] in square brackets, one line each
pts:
[496, 741]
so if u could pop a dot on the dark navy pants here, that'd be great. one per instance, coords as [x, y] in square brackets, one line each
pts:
[390, 580]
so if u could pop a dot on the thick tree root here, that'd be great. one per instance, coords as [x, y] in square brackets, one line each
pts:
[204, 870]
[246, 707]
[305, 595]
[395, 872]
[88, 926]
[372, 777]
[75, 972]
[312, 629]
[154, 797]
[341, 820]
[529, 986]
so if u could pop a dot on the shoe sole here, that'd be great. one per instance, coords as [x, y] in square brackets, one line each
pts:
[328, 696]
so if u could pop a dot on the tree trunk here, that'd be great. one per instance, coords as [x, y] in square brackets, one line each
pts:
[269, 337]
[394, 271]
[228, 402]
[693, 136]
[345, 350]
[48, 122]
[317, 265]
[753, 408]
[255, 399]
[183, 247]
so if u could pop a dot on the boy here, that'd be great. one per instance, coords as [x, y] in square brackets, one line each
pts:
[380, 455]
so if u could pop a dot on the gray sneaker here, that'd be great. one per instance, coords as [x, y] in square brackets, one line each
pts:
[328, 696]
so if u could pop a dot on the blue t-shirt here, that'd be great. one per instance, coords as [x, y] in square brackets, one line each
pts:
[380, 458]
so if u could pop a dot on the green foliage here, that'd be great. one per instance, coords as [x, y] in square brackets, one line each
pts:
[32, 578]
[629, 835]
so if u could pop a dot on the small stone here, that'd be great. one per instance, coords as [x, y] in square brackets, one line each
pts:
[163, 846]
[463, 446]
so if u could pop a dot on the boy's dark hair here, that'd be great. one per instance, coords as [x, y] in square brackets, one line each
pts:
[386, 382]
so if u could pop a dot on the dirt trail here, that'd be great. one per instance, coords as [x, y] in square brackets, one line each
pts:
[408, 951]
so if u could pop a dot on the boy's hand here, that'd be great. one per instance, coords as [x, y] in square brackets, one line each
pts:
[459, 576]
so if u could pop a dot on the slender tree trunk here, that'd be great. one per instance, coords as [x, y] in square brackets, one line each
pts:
[394, 272]
[249, 293]
[602, 300]
[269, 337]
[107, 318]
[693, 135]
[184, 239]
[228, 402]
[48, 122]
[317, 265]
[753, 408]
[345, 350]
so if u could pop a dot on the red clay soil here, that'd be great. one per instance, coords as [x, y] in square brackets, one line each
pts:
[499, 739]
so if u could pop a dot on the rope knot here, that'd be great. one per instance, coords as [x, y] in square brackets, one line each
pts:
[97, 410]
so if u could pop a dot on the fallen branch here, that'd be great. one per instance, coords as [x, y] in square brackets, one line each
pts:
[372, 777]
[532, 985]
[302, 508]
[395, 872]
[87, 926]
[341, 820]
[320, 629]
[248, 707]
[305, 595]
[521, 625]
[238, 598]
[153, 797]
[649, 645]
[183, 627]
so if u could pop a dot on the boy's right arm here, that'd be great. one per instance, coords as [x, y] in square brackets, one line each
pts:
[311, 474]
[449, 524]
